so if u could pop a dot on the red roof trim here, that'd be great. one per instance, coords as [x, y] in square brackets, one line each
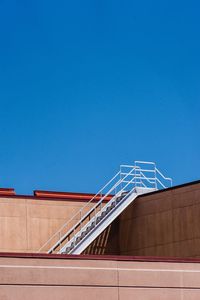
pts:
[68, 195]
[55, 196]
[102, 257]
[7, 191]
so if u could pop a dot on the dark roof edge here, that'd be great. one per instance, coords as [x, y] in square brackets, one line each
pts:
[63, 199]
[172, 188]
[102, 257]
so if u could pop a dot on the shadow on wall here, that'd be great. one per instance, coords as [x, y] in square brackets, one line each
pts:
[107, 243]
[164, 223]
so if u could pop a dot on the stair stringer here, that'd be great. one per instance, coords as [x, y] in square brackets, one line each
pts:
[104, 223]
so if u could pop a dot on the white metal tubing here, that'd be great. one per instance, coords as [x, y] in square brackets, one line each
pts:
[156, 184]
[94, 218]
[167, 178]
[147, 178]
[145, 162]
[85, 216]
[137, 175]
[138, 182]
[98, 194]
[127, 166]
[88, 213]
[144, 177]
[101, 226]
[101, 222]
[161, 183]
[101, 200]
[109, 192]
[141, 170]
[146, 170]
[97, 204]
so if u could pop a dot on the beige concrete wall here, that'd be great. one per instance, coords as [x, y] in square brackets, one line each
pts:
[164, 223]
[160, 224]
[50, 279]
[26, 224]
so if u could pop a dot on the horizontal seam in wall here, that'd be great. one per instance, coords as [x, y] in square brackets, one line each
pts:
[99, 268]
[104, 286]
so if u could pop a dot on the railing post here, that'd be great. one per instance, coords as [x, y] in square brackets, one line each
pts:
[60, 239]
[156, 187]
[95, 216]
[140, 178]
[120, 174]
[81, 218]
[135, 176]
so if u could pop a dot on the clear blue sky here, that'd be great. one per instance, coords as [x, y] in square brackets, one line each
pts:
[88, 85]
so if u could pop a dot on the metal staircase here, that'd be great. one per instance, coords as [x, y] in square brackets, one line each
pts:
[94, 217]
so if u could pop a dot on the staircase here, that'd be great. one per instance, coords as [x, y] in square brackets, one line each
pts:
[94, 217]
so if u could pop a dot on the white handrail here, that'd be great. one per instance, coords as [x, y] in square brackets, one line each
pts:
[166, 178]
[65, 224]
[93, 219]
[87, 213]
[138, 178]
[148, 179]
[145, 162]
[92, 209]
[161, 183]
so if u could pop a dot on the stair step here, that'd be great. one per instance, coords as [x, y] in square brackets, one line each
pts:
[92, 225]
[87, 229]
[108, 209]
[123, 189]
[78, 239]
[119, 199]
[98, 219]
[83, 234]
[67, 250]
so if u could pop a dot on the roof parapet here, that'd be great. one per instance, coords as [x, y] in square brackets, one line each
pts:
[68, 195]
[7, 192]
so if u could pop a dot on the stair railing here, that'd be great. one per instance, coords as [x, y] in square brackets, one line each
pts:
[101, 194]
[136, 176]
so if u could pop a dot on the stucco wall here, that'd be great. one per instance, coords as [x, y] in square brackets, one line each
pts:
[26, 224]
[164, 223]
[72, 279]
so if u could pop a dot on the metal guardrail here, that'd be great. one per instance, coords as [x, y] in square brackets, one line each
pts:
[142, 174]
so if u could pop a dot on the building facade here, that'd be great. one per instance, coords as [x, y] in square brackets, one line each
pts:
[150, 251]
